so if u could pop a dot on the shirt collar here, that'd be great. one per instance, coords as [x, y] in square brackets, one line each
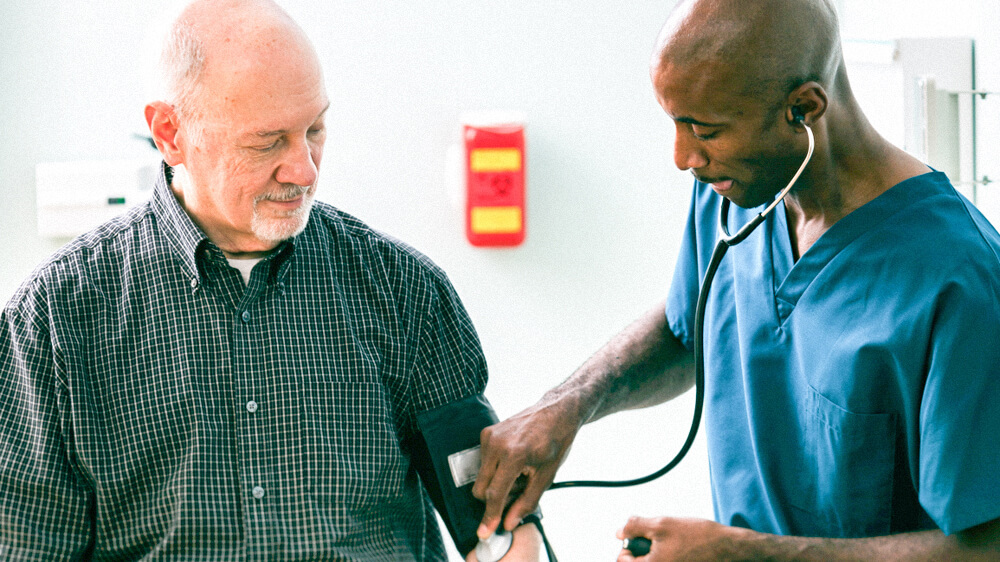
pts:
[189, 241]
[177, 226]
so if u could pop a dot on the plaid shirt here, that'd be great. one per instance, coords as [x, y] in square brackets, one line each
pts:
[152, 405]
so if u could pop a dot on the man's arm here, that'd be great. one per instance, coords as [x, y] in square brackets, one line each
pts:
[698, 539]
[44, 505]
[642, 366]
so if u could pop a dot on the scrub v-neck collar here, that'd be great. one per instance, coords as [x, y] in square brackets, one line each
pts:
[791, 278]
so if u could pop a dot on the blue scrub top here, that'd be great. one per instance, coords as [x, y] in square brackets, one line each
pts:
[855, 392]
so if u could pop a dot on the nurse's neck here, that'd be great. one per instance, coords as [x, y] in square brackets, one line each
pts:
[807, 224]
[852, 166]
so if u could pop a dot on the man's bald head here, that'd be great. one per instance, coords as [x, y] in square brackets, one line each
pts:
[216, 38]
[242, 127]
[768, 46]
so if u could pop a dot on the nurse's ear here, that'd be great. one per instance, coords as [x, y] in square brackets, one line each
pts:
[806, 104]
[797, 116]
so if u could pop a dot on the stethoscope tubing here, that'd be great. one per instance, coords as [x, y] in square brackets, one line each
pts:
[722, 245]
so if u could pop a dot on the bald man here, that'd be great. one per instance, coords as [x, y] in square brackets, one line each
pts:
[853, 376]
[232, 371]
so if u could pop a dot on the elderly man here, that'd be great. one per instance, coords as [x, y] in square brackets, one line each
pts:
[231, 371]
[853, 376]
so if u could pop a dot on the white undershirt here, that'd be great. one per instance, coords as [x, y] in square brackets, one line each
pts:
[245, 267]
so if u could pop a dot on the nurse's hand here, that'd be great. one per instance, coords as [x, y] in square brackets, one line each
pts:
[681, 539]
[523, 453]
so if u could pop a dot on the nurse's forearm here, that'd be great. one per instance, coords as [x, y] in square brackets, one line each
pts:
[979, 543]
[701, 540]
[642, 366]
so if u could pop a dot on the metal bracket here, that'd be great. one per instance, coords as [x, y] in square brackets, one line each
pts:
[984, 181]
[981, 93]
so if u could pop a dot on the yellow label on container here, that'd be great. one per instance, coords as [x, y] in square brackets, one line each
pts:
[495, 160]
[496, 220]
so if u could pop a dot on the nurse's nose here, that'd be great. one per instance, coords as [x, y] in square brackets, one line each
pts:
[688, 152]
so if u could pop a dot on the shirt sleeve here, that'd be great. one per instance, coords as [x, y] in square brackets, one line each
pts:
[45, 508]
[960, 407]
[450, 364]
[450, 372]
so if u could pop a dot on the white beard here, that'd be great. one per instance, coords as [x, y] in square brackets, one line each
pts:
[287, 225]
[273, 228]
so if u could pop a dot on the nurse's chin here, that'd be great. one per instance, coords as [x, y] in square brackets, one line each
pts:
[742, 199]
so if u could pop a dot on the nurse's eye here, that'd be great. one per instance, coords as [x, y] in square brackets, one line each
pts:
[704, 133]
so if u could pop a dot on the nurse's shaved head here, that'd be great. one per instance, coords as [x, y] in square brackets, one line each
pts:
[768, 47]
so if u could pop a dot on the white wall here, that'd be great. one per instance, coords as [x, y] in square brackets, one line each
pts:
[890, 19]
[605, 206]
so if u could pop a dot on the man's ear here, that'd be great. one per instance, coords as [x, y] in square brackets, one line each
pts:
[162, 121]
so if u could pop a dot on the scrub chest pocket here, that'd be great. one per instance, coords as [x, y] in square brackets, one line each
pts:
[845, 478]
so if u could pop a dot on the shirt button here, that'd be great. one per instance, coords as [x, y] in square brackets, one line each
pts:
[251, 406]
[258, 492]
[194, 282]
[245, 316]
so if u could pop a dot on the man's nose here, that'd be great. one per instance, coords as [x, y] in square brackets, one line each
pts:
[299, 166]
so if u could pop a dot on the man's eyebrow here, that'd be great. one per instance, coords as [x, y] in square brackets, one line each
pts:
[279, 132]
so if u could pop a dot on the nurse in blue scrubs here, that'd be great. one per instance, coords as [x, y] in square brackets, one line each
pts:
[852, 342]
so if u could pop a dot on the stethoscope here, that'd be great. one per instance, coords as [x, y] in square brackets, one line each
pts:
[726, 240]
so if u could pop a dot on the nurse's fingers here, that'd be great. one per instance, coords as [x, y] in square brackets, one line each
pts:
[533, 444]
[492, 487]
[528, 490]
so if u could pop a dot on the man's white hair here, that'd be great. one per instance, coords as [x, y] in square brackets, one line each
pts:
[182, 61]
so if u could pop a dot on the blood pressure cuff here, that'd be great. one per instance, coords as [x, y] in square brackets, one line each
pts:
[448, 463]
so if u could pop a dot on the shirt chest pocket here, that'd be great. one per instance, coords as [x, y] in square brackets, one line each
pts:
[846, 478]
[351, 442]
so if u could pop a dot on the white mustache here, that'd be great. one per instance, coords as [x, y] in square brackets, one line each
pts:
[289, 193]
